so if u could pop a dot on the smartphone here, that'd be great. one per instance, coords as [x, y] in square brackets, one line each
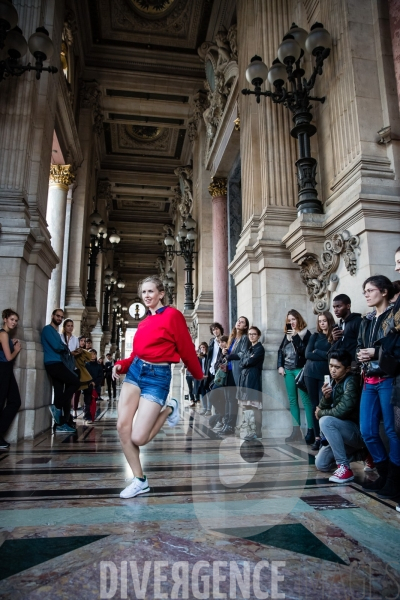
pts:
[327, 380]
[288, 327]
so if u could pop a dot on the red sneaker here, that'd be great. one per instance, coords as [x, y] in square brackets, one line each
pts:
[369, 464]
[342, 475]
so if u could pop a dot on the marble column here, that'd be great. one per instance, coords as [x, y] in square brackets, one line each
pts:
[218, 192]
[61, 177]
[394, 17]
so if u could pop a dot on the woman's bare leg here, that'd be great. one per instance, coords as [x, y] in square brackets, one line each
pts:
[162, 417]
[127, 408]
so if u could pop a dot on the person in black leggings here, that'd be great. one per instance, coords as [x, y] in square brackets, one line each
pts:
[317, 365]
[10, 400]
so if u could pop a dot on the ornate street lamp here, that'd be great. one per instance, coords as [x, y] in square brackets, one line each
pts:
[98, 235]
[121, 283]
[186, 239]
[288, 67]
[15, 45]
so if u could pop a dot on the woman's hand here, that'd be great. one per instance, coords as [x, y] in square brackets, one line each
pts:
[225, 351]
[365, 354]
[17, 346]
[115, 371]
[281, 371]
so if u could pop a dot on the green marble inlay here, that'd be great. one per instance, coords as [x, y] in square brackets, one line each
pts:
[382, 538]
[292, 536]
[19, 555]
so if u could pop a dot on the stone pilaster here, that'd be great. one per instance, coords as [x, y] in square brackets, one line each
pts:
[61, 177]
[218, 191]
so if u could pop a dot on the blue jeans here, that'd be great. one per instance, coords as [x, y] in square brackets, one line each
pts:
[153, 380]
[344, 438]
[375, 405]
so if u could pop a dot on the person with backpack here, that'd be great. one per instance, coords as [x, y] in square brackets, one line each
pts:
[338, 414]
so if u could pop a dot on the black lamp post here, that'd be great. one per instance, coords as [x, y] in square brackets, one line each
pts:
[16, 46]
[288, 66]
[186, 239]
[98, 234]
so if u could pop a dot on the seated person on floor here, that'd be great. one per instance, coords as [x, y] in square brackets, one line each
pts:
[338, 414]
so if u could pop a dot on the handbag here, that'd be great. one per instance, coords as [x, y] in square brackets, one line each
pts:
[220, 376]
[68, 360]
[300, 381]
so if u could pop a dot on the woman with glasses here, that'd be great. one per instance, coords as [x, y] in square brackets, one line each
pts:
[250, 387]
[378, 386]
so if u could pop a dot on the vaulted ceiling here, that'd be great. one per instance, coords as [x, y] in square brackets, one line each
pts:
[143, 54]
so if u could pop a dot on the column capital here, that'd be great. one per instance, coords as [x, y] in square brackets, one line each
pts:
[217, 187]
[61, 175]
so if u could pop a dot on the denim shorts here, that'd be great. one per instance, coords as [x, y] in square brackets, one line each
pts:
[154, 381]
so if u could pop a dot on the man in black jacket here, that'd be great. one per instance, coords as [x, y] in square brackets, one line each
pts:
[108, 367]
[346, 333]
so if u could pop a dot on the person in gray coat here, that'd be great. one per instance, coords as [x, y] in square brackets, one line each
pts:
[238, 344]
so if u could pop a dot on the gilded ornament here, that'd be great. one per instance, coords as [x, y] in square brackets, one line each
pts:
[217, 187]
[62, 175]
[237, 124]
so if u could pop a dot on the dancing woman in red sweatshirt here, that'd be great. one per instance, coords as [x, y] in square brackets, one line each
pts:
[162, 338]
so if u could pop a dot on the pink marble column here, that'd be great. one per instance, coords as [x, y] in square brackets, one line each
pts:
[394, 18]
[218, 192]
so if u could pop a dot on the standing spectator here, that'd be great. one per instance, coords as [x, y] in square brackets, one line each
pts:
[111, 383]
[317, 365]
[345, 333]
[214, 351]
[191, 384]
[250, 385]
[218, 399]
[68, 338]
[89, 344]
[10, 400]
[201, 386]
[238, 343]
[291, 359]
[378, 386]
[65, 382]
[96, 372]
[84, 376]
[338, 414]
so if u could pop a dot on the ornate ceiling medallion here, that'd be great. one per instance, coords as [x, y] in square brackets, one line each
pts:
[144, 133]
[153, 8]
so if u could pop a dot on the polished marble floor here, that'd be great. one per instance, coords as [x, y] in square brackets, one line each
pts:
[223, 519]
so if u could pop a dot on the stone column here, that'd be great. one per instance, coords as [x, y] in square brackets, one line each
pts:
[394, 18]
[67, 232]
[218, 192]
[61, 178]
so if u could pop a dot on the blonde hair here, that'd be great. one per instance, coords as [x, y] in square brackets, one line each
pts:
[157, 282]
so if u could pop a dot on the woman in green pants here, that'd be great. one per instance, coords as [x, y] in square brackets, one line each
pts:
[291, 359]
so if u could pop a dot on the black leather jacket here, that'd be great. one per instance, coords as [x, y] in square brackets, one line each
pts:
[374, 333]
[300, 345]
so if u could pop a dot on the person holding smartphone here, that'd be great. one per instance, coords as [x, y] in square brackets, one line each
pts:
[291, 359]
[345, 332]
[338, 415]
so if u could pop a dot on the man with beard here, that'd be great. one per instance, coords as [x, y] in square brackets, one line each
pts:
[64, 381]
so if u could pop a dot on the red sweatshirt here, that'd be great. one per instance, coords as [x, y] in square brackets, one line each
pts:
[164, 337]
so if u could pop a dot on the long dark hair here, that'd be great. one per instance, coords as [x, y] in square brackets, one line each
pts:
[331, 324]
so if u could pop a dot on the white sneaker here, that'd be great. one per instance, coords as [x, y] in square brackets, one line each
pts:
[218, 427]
[174, 417]
[135, 488]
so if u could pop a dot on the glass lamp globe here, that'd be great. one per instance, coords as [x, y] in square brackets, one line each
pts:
[40, 44]
[318, 37]
[95, 217]
[277, 73]
[114, 238]
[190, 223]
[299, 34]
[16, 45]
[169, 240]
[94, 230]
[191, 236]
[113, 279]
[257, 71]
[108, 272]
[182, 232]
[8, 13]
[107, 280]
[121, 284]
[289, 51]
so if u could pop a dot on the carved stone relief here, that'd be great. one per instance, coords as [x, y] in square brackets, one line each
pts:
[194, 329]
[185, 175]
[90, 94]
[104, 192]
[318, 274]
[199, 105]
[220, 60]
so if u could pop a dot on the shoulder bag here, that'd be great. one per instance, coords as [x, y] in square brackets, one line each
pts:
[220, 375]
[300, 381]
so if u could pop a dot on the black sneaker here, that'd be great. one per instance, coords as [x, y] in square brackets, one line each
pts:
[3, 444]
